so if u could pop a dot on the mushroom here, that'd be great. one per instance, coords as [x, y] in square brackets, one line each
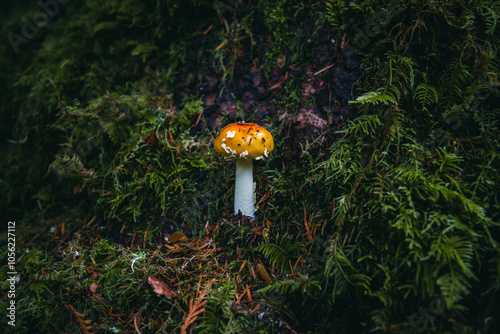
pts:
[244, 142]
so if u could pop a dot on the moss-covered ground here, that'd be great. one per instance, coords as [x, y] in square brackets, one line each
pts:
[378, 211]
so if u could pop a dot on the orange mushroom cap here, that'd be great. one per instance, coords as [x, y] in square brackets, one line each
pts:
[244, 141]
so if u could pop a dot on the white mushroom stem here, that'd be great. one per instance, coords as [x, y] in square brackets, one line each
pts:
[243, 189]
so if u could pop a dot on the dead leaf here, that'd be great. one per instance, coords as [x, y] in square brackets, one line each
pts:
[93, 287]
[94, 275]
[151, 141]
[160, 288]
[263, 272]
[177, 236]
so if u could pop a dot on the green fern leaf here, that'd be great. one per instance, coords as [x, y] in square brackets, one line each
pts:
[425, 95]
[281, 253]
[334, 11]
[375, 98]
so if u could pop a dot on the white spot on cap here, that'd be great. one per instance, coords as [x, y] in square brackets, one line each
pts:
[230, 134]
[243, 154]
[228, 149]
[266, 152]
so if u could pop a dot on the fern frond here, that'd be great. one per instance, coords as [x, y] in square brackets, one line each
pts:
[455, 251]
[453, 287]
[375, 98]
[218, 310]
[282, 286]
[195, 308]
[364, 125]
[400, 70]
[334, 11]
[425, 95]
[448, 162]
[453, 84]
[281, 253]
[491, 18]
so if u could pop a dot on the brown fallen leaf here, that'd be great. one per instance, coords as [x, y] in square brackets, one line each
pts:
[161, 288]
[93, 287]
[263, 272]
[151, 141]
[177, 236]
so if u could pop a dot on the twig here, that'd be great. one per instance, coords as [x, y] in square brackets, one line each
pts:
[326, 68]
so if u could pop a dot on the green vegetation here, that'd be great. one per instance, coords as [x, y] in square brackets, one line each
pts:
[378, 211]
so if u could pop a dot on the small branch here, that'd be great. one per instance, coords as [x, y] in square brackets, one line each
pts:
[326, 68]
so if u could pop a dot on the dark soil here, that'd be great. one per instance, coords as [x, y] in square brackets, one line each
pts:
[325, 83]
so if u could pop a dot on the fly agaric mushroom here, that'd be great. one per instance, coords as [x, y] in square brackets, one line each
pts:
[244, 142]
